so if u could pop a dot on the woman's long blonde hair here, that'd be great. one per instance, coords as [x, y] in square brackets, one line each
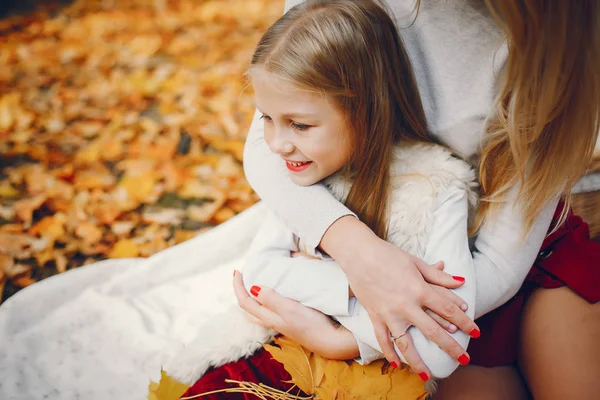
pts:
[546, 120]
[351, 52]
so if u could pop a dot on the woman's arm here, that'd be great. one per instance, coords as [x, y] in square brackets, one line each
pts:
[504, 256]
[448, 240]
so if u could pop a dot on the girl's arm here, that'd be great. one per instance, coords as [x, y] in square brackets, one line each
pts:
[319, 284]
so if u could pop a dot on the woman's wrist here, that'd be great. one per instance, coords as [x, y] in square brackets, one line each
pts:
[346, 239]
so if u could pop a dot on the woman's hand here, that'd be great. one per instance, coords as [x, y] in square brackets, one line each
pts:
[308, 327]
[395, 287]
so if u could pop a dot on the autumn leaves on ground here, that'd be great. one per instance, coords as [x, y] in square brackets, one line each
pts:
[121, 128]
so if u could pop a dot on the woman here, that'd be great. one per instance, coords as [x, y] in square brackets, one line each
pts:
[548, 85]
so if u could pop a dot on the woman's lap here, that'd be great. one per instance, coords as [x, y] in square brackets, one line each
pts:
[568, 258]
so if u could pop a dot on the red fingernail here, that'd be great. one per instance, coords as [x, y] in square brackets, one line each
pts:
[463, 359]
[458, 278]
[394, 365]
[424, 376]
[255, 290]
[234, 273]
[475, 333]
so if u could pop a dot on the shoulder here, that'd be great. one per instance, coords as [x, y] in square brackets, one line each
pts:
[432, 161]
[431, 167]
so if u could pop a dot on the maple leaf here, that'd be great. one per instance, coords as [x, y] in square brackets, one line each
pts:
[166, 389]
[342, 380]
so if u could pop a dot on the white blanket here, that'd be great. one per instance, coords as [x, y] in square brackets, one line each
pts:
[103, 331]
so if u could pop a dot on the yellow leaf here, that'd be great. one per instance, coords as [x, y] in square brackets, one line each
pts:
[166, 389]
[124, 248]
[341, 380]
[6, 190]
[139, 187]
[296, 361]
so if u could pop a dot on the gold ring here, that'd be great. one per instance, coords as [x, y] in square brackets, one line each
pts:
[398, 336]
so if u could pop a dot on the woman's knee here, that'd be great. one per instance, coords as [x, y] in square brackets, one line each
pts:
[559, 352]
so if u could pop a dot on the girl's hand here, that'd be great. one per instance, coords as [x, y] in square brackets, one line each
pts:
[308, 327]
[396, 287]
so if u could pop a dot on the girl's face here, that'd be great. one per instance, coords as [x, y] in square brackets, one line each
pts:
[306, 130]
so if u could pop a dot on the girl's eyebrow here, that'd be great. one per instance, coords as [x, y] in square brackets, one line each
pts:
[295, 115]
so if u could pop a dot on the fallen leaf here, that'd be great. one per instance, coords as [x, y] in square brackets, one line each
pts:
[124, 248]
[333, 379]
[166, 389]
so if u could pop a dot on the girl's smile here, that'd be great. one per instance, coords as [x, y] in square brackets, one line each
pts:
[297, 166]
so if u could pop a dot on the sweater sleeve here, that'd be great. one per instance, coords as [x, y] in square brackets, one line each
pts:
[308, 211]
[319, 284]
[447, 241]
[503, 256]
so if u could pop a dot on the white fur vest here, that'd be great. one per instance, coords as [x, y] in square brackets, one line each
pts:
[419, 173]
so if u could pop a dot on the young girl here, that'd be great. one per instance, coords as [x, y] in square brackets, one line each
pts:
[367, 140]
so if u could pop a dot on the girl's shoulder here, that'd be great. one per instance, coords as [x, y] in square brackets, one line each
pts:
[434, 162]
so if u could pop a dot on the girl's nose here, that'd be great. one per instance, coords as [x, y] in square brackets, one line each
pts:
[281, 144]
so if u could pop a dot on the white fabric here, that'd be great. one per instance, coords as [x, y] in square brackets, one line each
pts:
[456, 50]
[103, 331]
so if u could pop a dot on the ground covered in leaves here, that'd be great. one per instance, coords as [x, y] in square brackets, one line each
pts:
[121, 128]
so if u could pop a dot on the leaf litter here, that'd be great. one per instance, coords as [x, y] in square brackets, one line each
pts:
[122, 125]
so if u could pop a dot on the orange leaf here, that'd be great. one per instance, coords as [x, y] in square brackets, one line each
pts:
[124, 248]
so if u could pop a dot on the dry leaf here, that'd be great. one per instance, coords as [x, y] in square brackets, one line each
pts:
[124, 248]
[333, 379]
[166, 389]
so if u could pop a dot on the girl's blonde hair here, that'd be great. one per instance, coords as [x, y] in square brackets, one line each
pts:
[546, 120]
[351, 52]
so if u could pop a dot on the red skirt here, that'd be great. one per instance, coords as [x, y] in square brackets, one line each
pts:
[567, 258]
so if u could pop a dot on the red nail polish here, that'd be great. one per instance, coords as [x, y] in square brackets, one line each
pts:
[475, 333]
[458, 278]
[463, 359]
[424, 376]
[255, 290]
[394, 365]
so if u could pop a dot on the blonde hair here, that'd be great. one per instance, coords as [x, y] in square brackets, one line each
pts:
[351, 52]
[546, 121]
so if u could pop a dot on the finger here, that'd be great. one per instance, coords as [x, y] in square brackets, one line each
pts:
[433, 274]
[442, 322]
[385, 342]
[453, 297]
[267, 317]
[451, 312]
[439, 336]
[406, 346]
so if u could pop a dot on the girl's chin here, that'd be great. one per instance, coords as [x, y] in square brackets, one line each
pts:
[304, 180]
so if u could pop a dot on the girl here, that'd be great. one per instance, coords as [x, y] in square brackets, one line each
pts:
[512, 108]
[327, 123]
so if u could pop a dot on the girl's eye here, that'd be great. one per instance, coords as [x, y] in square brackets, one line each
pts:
[265, 117]
[300, 127]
